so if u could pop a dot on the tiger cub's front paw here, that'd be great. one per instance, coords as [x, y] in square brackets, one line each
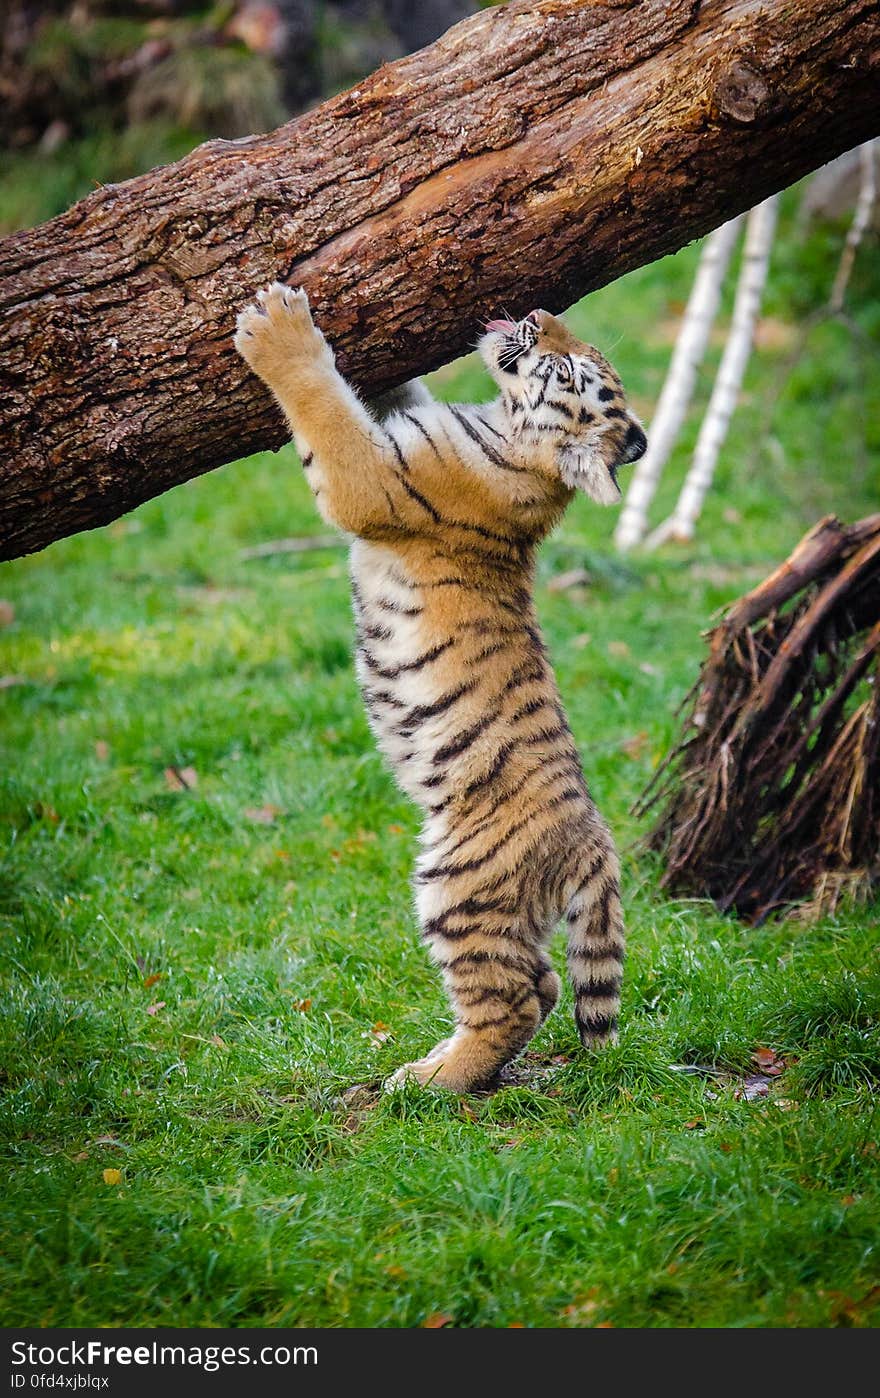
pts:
[278, 328]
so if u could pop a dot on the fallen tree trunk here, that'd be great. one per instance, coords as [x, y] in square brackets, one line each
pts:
[772, 794]
[531, 154]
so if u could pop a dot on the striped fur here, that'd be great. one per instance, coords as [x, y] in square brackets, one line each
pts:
[446, 505]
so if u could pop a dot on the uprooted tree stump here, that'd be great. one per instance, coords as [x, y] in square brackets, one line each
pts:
[772, 795]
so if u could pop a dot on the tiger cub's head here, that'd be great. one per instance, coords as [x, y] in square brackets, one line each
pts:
[557, 387]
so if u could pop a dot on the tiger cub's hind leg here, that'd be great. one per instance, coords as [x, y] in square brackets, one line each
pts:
[596, 945]
[501, 989]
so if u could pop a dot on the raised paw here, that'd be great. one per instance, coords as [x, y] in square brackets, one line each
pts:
[276, 329]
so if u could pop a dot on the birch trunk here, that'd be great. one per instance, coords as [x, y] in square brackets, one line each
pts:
[678, 388]
[750, 288]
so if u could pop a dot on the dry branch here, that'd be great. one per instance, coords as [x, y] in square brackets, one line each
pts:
[536, 151]
[772, 795]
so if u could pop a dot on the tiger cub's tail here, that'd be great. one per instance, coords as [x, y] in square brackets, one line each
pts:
[596, 946]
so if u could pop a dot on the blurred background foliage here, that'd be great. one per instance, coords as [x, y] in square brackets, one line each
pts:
[102, 89]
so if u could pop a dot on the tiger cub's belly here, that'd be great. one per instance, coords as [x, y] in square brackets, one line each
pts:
[439, 662]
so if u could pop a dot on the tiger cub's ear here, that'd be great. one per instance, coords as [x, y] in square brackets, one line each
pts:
[582, 468]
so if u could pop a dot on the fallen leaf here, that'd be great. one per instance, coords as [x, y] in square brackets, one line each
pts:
[181, 778]
[635, 746]
[437, 1321]
[154, 1009]
[102, 750]
[380, 1031]
[768, 1062]
[7, 613]
[648, 669]
[750, 1089]
[303, 1006]
[619, 649]
[583, 1307]
[80, 1155]
[582, 640]
[217, 1041]
[398, 1273]
[696, 1125]
[151, 980]
[263, 815]
[846, 1311]
[848, 1199]
[112, 1176]
[725, 1146]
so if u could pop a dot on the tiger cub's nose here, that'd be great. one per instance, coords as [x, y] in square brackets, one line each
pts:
[635, 443]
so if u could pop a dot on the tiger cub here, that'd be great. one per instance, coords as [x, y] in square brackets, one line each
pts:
[446, 505]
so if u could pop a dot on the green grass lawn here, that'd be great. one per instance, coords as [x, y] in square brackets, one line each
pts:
[195, 976]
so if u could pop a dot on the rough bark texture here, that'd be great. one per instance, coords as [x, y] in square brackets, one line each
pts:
[531, 154]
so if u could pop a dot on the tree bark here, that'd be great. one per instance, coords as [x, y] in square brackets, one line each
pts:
[532, 153]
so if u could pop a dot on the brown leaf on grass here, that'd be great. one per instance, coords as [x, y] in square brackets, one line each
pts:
[102, 750]
[154, 1009]
[635, 745]
[768, 1062]
[381, 1031]
[111, 1176]
[619, 649]
[397, 1273]
[438, 1321]
[262, 815]
[151, 980]
[751, 1088]
[303, 1006]
[696, 1125]
[181, 778]
[584, 1307]
[7, 613]
[847, 1311]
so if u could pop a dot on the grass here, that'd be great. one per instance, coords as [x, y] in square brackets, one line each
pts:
[190, 994]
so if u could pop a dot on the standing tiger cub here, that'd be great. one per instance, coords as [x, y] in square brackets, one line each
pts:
[446, 505]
